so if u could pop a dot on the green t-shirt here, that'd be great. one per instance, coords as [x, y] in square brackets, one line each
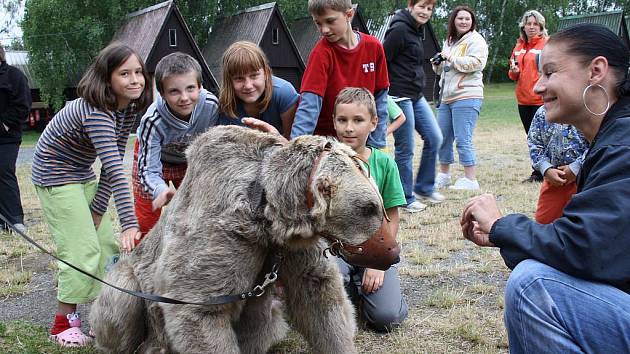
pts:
[385, 174]
[392, 109]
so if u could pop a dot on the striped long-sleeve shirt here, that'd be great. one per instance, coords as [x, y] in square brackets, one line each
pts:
[69, 146]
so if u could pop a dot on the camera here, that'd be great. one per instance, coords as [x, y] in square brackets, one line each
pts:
[437, 59]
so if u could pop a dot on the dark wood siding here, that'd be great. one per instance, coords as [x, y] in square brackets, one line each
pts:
[283, 59]
[163, 48]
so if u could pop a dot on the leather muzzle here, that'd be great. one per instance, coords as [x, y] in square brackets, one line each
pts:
[380, 251]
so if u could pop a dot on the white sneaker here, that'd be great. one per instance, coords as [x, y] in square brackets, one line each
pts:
[19, 227]
[414, 207]
[442, 180]
[465, 184]
[433, 198]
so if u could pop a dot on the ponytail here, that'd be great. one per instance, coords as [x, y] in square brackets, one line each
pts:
[623, 88]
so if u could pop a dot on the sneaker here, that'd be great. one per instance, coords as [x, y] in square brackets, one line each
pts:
[20, 227]
[465, 184]
[433, 198]
[414, 207]
[442, 180]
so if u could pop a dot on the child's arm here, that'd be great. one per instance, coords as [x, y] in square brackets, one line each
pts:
[396, 123]
[313, 89]
[396, 115]
[287, 120]
[378, 138]
[537, 140]
[101, 129]
[149, 158]
[373, 278]
[307, 114]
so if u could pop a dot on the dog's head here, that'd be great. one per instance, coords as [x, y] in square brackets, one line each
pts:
[338, 201]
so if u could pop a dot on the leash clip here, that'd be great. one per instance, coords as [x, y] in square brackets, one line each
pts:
[270, 278]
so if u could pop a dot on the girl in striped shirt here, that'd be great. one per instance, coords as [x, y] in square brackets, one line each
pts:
[97, 124]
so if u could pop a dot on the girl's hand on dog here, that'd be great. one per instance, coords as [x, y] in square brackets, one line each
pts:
[128, 237]
[372, 280]
[262, 126]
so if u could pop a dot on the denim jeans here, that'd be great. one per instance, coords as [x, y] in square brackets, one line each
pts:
[548, 311]
[420, 118]
[457, 122]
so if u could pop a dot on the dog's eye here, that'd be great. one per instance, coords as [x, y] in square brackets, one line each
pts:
[370, 209]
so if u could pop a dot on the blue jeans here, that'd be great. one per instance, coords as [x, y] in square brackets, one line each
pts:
[457, 122]
[547, 311]
[419, 118]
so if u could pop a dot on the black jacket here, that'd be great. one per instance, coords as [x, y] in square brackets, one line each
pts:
[15, 103]
[405, 56]
[592, 238]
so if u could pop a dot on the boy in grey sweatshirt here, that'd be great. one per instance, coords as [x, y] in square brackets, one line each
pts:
[182, 111]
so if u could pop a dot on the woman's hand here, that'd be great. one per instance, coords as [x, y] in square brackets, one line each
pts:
[480, 213]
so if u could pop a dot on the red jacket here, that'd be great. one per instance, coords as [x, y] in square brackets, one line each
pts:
[527, 56]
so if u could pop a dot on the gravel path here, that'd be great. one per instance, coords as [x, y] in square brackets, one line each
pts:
[39, 302]
[25, 155]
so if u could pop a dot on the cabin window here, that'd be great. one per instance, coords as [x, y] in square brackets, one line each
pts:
[172, 37]
[275, 36]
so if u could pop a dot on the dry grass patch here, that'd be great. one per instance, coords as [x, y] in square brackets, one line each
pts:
[14, 281]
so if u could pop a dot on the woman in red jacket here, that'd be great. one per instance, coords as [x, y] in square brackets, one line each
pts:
[524, 69]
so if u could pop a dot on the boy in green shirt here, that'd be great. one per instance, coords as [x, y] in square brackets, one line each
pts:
[354, 117]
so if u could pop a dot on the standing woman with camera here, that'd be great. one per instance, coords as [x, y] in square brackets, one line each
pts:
[524, 70]
[404, 51]
[461, 91]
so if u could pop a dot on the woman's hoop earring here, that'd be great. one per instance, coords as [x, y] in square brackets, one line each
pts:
[607, 99]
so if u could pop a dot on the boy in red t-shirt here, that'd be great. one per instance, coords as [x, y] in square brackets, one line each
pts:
[342, 58]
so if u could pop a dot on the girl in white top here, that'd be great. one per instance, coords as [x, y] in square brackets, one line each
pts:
[465, 54]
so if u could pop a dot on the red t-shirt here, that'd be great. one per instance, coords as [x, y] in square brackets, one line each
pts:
[332, 68]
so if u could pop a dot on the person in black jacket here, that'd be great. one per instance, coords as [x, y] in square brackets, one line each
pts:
[15, 105]
[569, 291]
[404, 51]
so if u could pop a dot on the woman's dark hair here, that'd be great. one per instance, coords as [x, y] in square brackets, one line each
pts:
[95, 87]
[452, 36]
[586, 41]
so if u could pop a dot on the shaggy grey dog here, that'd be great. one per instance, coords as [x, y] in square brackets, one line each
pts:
[244, 196]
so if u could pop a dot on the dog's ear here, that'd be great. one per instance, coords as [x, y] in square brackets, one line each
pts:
[327, 187]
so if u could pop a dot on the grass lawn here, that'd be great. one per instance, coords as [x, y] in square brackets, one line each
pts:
[29, 138]
[454, 289]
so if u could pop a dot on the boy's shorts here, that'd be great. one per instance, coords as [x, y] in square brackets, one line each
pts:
[67, 212]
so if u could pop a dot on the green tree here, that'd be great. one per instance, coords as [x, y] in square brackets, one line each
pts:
[62, 38]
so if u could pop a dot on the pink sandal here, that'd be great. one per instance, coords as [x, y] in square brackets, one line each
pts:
[73, 336]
